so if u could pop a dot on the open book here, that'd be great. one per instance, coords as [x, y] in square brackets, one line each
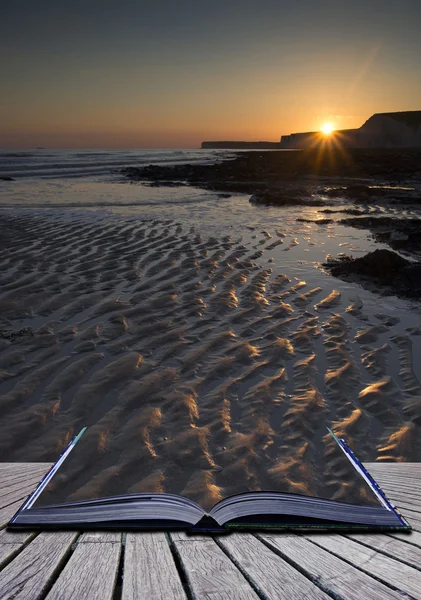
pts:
[257, 509]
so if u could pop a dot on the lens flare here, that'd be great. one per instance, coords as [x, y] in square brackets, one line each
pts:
[327, 128]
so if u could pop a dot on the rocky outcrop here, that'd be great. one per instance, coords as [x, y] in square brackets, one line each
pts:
[392, 273]
[257, 171]
[398, 233]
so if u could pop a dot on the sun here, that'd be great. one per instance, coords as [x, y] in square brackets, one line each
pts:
[327, 128]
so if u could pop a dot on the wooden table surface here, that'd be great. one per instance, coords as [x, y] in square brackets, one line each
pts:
[241, 566]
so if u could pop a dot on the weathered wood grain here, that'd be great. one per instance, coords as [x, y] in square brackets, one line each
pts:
[397, 485]
[11, 544]
[413, 517]
[270, 574]
[6, 479]
[333, 574]
[26, 466]
[403, 505]
[180, 536]
[91, 571]
[386, 569]
[411, 478]
[409, 513]
[29, 575]
[210, 573]
[276, 565]
[7, 512]
[400, 491]
[414, 537]
[13, 469]
[149, 569]
[19, 494]
[9, 488]
[16, 474]
[392, 466]
[99, 537]
[396, 548]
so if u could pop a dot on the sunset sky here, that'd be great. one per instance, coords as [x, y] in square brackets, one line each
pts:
[171, 73]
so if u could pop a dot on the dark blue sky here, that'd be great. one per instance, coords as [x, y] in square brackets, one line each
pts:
[167, 73]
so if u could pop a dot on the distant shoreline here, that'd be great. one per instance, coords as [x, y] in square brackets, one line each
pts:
[238, 145]
[254, 171]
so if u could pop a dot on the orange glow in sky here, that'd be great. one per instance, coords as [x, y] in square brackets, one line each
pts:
[170, 75]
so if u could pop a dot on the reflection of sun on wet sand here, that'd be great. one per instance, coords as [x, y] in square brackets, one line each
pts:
[197, 370]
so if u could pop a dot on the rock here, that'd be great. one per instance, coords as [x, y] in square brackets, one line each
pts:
[317, 221]
[380, 264]
[409, 279]
[397, 232]
[6, 178]
[391, 272]
[398, 236]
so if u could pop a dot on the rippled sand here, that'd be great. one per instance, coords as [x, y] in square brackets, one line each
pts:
[197, 369]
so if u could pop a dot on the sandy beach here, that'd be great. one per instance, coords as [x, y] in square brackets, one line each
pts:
[205, 358]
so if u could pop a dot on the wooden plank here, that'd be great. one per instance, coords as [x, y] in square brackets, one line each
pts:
[396, 483]
[7, 512]
[334, 575]
[19, 469]
[181, 536]
[396, 469]
[413, 537]
[29, 575]
[269, 573]
[402, 506]
[22, 470]
[399, 486]
[100, 537]
[410, 514]
[413, 517]
[394, 479]
[6, 478]
[91, 571]
[19, 481]
[19, 494]
[149, 569]
[23, 467]
[210, 573]
[388, 570]
[385, 474]
[11, 488]
[393, 465]
[396, 492]
[11, 544]
[390, 546]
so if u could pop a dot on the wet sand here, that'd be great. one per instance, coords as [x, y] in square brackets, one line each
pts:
[198, 364]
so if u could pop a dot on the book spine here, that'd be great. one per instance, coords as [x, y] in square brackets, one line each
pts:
[29, 502]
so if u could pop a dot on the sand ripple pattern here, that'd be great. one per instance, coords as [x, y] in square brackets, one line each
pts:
[197, 370]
